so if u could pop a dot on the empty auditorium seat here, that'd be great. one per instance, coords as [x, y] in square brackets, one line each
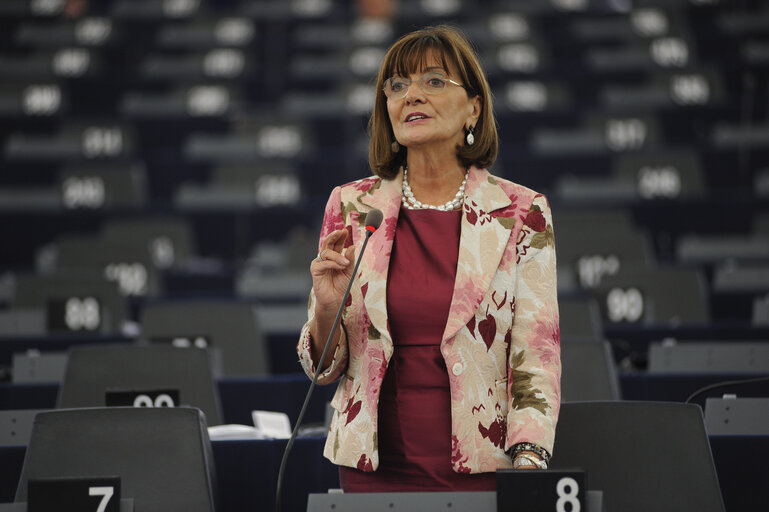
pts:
[260, 184]
[589, 372]
[162, 456]
[126, 374]
[638, 177]
[125, 262]
[599, 244]
[81, 141]
[102, 187]
[73, 302]
[579, 317]
[668, 296]
[22, 322]
[170, 240]
[642, 455]
[229, 328]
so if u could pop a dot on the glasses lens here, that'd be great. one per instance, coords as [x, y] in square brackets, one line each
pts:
[433, 82]
[396, 87]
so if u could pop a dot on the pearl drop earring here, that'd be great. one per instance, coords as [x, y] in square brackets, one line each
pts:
[470, 137]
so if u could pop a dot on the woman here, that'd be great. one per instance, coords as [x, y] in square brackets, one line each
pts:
[448, 349]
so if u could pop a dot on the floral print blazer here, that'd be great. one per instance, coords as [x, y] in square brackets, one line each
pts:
[501, 343]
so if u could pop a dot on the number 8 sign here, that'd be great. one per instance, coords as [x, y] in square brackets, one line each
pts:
[541, 490]
[567, 490]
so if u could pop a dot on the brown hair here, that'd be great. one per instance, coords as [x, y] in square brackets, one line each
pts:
[408, 56]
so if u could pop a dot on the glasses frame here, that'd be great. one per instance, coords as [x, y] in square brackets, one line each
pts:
[420, 81]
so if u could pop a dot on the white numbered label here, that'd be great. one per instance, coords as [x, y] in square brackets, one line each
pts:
[518, 57]
[93, 31]
[509, 27]
[207, 100]
[567, 490]
[234, 31]
[279, 141]
[71, 62]
[690, 89]
[311, 7]
[132, 278]
[106, 494]
[649, 22]
[98, 141]
[198, 342]
[659, 182]
[277, 190]
[41, 100]
[670, 52]
[570, 5]
[526, 96]
[625, 134]
[82, 314]
[180, 8]
[365, 61]
[163, 252]
[83, 192]
[224, 63]
[46, 7]
[592, 269]
[162, 400]
[441, 7]
[624, 305]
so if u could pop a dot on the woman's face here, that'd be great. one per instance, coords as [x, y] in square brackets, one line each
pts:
[421, 120]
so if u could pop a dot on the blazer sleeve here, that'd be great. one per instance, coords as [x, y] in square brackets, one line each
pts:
[534, 364]
[332, 220]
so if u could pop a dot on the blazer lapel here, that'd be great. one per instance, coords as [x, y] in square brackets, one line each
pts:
[374, 265]
[482, 242]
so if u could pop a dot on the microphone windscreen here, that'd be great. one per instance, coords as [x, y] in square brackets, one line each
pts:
[374, 219]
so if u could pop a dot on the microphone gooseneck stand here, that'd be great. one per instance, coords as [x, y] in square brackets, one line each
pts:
[373, 220]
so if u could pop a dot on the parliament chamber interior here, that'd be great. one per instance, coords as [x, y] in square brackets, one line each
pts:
[164, 167]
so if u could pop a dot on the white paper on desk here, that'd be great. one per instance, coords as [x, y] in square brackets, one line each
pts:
[272, 424]
[219, 432]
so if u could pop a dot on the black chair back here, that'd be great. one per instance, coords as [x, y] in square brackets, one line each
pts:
[163, 456]
[643, 455]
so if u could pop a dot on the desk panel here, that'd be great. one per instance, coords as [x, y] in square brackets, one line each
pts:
[247, 472]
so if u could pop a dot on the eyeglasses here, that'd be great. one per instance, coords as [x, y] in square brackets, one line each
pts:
[431, 83]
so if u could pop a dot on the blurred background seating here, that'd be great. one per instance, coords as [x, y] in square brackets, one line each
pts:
[169, 187]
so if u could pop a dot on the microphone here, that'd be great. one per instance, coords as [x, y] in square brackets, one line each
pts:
[373, 221]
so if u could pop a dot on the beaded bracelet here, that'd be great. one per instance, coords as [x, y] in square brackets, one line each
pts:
[530, 447]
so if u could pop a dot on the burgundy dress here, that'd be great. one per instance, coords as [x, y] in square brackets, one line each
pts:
[414, 406]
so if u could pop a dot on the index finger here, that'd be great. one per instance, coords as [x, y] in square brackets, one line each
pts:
[334, 240]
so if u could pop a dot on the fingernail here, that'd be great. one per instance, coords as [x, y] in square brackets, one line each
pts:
[346, 261]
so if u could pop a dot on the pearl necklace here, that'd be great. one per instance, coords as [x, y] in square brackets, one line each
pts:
[409, 201]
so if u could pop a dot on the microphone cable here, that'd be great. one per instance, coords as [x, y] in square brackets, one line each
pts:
[724, 384]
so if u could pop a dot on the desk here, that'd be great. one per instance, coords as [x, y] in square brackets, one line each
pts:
[286, 392]
[247, 472]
